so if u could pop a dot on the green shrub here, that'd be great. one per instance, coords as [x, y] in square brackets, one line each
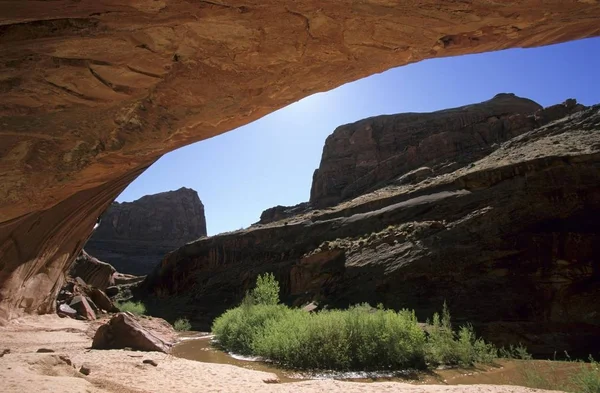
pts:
[515, 352]
[182, 325]
[136, 308]
[237, 328]
[266, 290]
[546, 375]
[587, 380]
[441, 348]
[446, 347]
[360, 338]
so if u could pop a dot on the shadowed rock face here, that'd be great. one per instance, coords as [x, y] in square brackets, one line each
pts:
[134, 236]
[360, 156]
[510, 241]
[93, 92]
[93, 272]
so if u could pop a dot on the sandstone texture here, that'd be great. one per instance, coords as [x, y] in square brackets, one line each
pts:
[134, 236]
[77, 299]
[93, 92]
[92, 271]
[510, 241]
[123, 331]
[369, 153]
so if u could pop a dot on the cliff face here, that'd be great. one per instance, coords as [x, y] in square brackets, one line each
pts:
[134, 236]
[92, 93]
[361, 156]
[510, 241]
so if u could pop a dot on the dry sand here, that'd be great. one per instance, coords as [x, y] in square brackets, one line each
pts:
[119, 371]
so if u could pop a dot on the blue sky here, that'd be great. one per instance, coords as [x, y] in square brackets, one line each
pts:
[271, 161]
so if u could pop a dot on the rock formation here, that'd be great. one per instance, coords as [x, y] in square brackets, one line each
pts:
[78, 299]
[92, 93]
[361, 156]
[134, 236]
[123, 331]
[94, 272]
[510, 241]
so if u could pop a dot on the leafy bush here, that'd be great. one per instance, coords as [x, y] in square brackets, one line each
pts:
[356, 339]
[361, 338]
[547, 375]
[266, 291]
[587, 380]
[237, 328]
[136, 308]
[182, 325]
[515, 352]
[464, 349]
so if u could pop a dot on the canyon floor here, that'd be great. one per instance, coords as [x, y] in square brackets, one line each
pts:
[23, 369]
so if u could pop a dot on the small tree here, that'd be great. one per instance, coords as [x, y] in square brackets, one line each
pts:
[266, 291]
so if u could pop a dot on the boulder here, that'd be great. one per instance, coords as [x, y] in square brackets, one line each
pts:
[85, 370]
[101, 300]
[92, 271]
[64, 310]
[112, 291]
[123, 331]
[83, 307]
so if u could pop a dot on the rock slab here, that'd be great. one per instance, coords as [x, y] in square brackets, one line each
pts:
[123, 331]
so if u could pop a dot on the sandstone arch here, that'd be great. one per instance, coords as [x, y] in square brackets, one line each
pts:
[93, 92]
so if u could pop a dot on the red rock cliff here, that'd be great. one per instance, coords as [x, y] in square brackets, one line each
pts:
[134, 236]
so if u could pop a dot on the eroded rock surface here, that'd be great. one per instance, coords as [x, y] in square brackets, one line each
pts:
[410, 147]
[92, 93]
[93, 271]
[123, 331]
[510, 241]
[134, 236]
[369, 153]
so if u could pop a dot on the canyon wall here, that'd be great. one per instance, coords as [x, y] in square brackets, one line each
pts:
[510, 241]
[360, 156]
[134, 236]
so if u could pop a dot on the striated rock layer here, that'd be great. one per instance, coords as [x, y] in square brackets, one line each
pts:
[93, 272]
[134, 236]
[92, 92]
[511, 242]
[360, 156]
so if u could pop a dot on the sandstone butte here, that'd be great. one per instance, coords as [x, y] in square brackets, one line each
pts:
[93, 92]
[133, 237]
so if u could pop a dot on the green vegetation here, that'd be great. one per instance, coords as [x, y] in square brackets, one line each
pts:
[390, 235]
[357, 339]
[445, 347]
[182, 325]
[582, 377]
[515, 352]
[136, 308]
[361, 338]
[266, 291]
[587, 380]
